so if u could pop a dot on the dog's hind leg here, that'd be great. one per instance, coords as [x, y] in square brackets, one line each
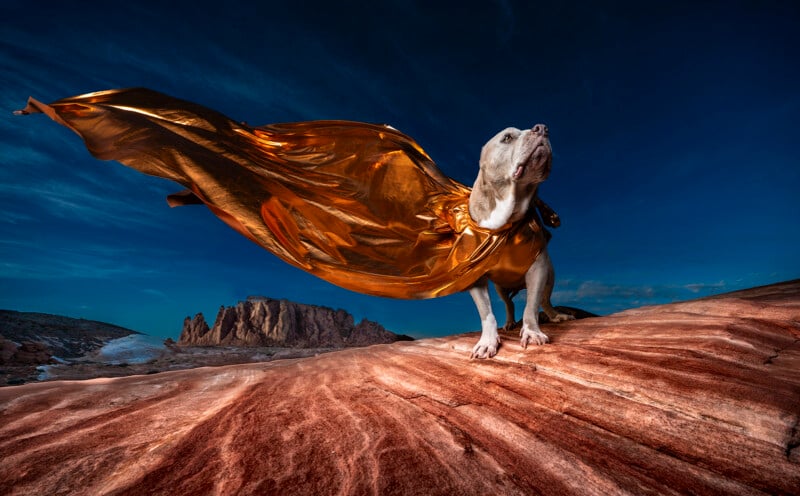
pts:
[507, 295]
[536, 283]
[552, 314]
[490, 339]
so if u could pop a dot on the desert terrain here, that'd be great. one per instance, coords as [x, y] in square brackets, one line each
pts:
[699, 397]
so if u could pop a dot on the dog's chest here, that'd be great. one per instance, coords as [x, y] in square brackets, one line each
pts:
[517, 255]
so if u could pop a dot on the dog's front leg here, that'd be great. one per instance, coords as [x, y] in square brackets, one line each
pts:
[536, 282]
[490, 339]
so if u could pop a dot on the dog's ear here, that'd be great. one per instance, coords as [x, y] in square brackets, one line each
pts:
[549, 216]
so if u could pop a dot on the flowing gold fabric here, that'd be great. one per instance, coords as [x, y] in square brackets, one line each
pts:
[359, 205]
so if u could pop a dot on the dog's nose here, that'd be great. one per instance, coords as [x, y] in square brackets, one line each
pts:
[539, 129]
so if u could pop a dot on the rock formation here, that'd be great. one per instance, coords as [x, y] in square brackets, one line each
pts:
[701, 397]
[195, 330]
[268, 322]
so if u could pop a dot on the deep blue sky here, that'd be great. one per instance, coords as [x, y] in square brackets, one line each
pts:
[675, 128]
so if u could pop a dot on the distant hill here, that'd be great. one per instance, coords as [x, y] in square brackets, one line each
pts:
[64, 337]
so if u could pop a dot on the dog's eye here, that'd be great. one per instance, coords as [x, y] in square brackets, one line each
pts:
[507, 138]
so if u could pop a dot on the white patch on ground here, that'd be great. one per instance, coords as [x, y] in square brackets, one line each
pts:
[44, 373]
[136, 348]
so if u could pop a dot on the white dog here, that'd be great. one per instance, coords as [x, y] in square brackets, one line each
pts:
[513, 164]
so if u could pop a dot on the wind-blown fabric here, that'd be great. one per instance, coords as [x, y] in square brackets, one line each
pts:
[359, 205]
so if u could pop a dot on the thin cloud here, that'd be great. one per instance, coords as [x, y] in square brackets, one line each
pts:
[603, 297]
[706, 287]
[40, 261]
[76, 268]
[156, 293]
[15, 218]
[78, 203]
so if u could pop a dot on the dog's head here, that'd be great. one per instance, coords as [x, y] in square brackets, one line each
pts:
[517, 157]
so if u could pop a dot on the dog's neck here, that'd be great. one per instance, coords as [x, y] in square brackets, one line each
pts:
[492, 206]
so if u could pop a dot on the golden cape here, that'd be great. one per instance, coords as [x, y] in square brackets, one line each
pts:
[359, 205]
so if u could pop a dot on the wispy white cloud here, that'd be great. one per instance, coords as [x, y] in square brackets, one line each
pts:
[71, 268]
[599, 290]
[27, 259]
[7, 217]
[77, 201]
[604, 297]
[156, 293]
[23, 157]
[706, 287]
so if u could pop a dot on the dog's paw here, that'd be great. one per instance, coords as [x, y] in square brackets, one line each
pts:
[510, 325]
[532, 336]
[561, 317]
[486, 348]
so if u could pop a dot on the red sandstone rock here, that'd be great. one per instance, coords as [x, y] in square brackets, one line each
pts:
[700, 397]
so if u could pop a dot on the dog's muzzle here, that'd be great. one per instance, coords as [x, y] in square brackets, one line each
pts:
[540, 151]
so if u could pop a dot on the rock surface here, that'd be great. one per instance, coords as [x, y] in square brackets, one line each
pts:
[268, 322]
[27, 353]
[700, 397]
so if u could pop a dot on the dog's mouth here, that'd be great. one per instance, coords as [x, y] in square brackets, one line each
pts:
[537, 157]
[518, 173]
